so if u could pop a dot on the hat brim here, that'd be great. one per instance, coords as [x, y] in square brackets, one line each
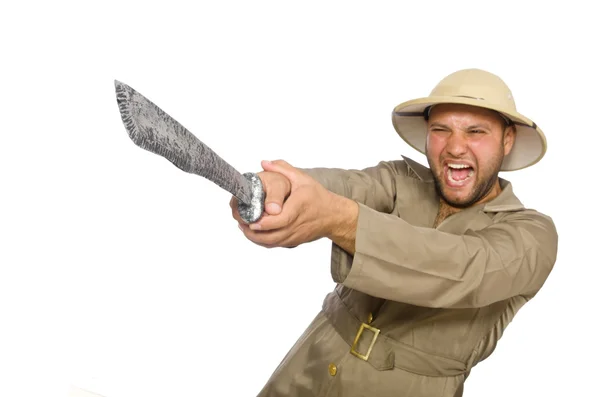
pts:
[530, 142]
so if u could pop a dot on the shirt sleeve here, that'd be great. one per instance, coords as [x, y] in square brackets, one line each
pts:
[374, 187]
[427, 267]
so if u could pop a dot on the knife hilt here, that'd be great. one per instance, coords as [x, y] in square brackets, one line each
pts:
[252, 212]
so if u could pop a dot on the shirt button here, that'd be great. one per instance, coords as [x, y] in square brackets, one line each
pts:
[332, 369]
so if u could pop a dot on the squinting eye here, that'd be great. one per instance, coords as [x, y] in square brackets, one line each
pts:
[476, 131]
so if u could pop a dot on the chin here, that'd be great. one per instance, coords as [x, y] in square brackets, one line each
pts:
[458, 201]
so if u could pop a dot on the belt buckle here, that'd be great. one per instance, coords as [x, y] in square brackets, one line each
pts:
[353, 350]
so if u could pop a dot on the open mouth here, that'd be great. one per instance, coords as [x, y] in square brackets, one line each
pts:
[458, 174]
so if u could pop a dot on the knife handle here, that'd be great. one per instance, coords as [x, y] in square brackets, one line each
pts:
[252, 212]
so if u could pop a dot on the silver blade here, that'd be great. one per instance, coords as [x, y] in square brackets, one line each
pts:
[153, 129]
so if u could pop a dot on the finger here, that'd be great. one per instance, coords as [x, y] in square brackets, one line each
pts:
[282, 167]
[251, 235]
[277, 189]
[268, 239]
[288, 215]
[270, 223]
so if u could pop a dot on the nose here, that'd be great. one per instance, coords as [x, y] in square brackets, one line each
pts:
[456, 145]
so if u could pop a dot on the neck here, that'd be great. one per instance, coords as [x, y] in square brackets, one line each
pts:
[445, 209]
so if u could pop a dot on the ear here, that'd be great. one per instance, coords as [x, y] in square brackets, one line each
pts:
[509, 138]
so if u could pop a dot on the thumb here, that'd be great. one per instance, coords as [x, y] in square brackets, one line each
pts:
[283, 168]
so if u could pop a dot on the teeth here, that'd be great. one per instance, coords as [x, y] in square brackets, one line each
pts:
[456, 180]
[458, 166]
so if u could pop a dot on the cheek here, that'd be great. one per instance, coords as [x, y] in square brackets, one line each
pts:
[485, 149]
[435, 144]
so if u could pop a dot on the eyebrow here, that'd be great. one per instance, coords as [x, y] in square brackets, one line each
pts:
[479, 126]
[471, 127]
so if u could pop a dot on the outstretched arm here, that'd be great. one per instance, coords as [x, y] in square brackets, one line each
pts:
[335, 216]
[427, 267]
[385, 256]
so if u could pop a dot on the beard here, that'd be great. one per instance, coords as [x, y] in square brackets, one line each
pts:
[486, 179]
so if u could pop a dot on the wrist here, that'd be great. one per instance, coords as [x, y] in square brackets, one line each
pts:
[342, 219]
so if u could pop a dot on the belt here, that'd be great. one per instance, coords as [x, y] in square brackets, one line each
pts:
[383, 352]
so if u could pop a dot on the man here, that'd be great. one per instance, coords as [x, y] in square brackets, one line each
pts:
[431, 264]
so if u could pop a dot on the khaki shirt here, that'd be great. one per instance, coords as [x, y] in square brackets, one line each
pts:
[416, 307]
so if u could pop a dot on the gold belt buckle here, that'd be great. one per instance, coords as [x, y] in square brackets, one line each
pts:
[358, 334]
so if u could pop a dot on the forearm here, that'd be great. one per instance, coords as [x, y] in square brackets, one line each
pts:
[425, 267]
[341, 229]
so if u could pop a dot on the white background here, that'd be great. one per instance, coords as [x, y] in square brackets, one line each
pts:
[123, 275]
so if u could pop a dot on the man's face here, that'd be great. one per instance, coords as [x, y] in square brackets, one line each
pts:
[465, 149]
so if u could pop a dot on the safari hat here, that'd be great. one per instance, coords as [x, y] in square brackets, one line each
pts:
[477, 88]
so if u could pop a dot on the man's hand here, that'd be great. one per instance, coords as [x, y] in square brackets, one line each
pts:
[299, 211]
[277, 188]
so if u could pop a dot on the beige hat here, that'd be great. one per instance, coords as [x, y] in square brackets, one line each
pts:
[477, 88]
